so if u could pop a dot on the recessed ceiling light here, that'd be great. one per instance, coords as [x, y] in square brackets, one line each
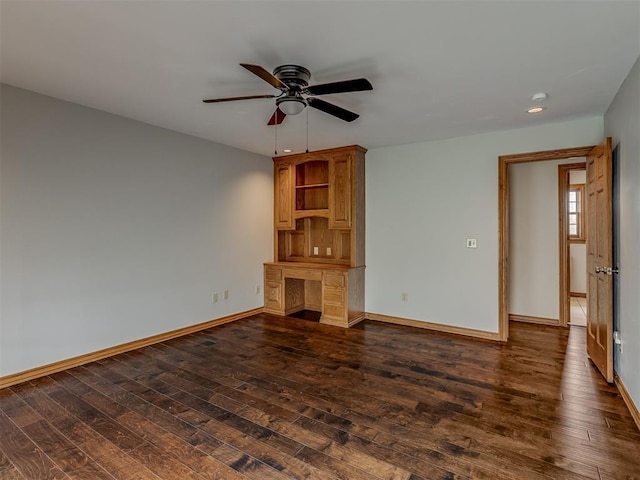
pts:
[536, 109]
[287, 150]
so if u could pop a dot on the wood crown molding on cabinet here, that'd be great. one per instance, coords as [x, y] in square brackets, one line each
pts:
[66, 364]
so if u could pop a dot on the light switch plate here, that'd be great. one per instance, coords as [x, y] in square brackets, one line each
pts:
[472, 243]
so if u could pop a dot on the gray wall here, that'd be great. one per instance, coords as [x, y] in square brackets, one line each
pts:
[622, 123]
[424, 200]
[112, 230]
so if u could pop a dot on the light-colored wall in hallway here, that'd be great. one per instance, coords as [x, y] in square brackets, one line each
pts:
[534, 249]
[578, 251]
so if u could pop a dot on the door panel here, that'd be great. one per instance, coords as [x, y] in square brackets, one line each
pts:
[599, 258]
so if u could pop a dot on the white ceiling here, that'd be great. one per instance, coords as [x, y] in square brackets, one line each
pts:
[439, 69]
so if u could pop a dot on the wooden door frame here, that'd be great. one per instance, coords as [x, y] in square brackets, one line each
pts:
[503, 220]
[563, 215]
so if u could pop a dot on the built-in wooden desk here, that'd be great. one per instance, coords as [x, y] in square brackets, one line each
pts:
[337, 291]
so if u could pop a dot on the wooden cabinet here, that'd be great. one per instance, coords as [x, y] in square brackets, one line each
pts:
[337, 291]
[319, 207]
[319, 222]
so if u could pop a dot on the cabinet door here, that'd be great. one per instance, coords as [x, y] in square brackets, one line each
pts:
[273, 290]
[284, 194]
[340, 192]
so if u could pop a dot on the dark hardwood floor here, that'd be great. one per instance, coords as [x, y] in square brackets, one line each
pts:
[281, 398]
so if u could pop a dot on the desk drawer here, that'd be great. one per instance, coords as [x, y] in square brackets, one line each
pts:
[334, 279]
[272, 274]
[333, 295]
[303, 273]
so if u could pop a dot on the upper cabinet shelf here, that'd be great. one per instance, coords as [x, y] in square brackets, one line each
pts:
[312, 185]
[312, 172]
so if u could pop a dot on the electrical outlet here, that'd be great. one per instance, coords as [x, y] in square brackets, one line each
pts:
[405, 297]
[257, 289]
[328, 251]
[472, 243]
[315, 250]
[214, 297]
[225, 295]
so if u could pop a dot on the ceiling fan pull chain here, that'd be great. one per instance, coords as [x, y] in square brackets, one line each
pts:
[307, 150]
[276, 141]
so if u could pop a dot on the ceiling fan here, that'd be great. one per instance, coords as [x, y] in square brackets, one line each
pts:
[293, 83]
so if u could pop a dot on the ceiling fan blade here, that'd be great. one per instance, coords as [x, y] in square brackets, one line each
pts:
[277, 117]
[356, 85]
[265, 75]
[231, 99]
[332, 109]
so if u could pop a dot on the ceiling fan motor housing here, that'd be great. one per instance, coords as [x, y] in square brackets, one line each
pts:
[294, 76]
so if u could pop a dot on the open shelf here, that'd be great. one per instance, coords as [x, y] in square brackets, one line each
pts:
[312, 187]
[315, 172]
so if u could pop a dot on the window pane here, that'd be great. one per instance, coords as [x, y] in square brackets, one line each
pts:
[573, 219]
[573, 196]
[573, 207]
[573, 230]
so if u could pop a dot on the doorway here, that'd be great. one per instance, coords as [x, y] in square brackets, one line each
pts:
[504, 162]
[573, 234]
[600, 267]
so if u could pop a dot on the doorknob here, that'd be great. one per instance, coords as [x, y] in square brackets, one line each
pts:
[607, 270]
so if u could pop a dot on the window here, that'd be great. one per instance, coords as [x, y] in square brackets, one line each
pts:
[575, 207]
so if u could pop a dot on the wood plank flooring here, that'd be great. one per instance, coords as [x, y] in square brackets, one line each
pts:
[282, 398]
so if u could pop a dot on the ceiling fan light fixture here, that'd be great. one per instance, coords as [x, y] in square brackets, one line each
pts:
[291, 105]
